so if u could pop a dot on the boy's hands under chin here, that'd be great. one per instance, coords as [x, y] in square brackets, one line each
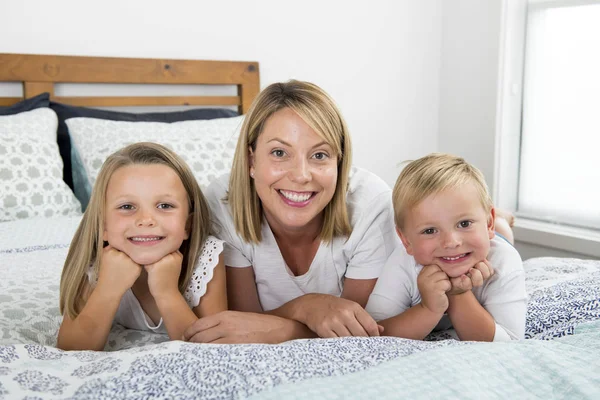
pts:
[433, 284]
[472, 279]
[163, 275]
[118, 272]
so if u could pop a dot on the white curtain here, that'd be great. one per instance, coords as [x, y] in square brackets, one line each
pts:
[560, 140]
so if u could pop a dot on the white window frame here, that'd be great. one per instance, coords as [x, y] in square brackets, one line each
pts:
[508, 128]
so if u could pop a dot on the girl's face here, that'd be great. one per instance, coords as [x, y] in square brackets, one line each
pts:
[146, 212]
[450, 229]
[295, 173]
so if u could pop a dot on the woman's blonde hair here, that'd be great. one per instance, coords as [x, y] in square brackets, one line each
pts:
[319, 112]
[433, 174]
[87, 244]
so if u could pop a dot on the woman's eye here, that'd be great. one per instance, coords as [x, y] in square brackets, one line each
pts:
[465, 224]
[321, 156]
[278, 153]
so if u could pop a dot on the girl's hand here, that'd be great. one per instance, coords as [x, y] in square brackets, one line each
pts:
[474, 278]
[118, 272]
[433, 283]
[163, 275]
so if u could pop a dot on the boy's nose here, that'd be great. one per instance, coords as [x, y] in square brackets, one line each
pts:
[451, 240]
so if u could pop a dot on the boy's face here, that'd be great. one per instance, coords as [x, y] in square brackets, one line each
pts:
[450, 229]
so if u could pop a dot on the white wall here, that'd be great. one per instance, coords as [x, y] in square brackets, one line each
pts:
[378, 59]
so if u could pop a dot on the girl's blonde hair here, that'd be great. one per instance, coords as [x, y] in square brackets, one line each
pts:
[319, 112]
[433, 174]
[87, 244]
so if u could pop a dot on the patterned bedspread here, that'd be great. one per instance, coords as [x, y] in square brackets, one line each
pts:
[563, 309]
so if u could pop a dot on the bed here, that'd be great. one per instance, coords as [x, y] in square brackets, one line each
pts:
[560, 357]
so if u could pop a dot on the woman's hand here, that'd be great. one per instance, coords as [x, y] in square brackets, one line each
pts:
[239, 327]
[330, 316]
[163, 275]
[118, 272]
[474, 278]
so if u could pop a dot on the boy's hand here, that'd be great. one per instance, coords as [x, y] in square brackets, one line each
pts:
[118, 272]
[433, 283]
[163, 275]
[474, 278]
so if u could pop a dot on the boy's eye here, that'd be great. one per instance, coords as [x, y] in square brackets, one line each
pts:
[464, 224]
[278, 153]
[429, 231]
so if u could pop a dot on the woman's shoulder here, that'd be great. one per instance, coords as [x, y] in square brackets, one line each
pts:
[365, 184]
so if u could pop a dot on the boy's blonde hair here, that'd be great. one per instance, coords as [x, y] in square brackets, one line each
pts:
[319, 111]
[433, 174]
[87, 244]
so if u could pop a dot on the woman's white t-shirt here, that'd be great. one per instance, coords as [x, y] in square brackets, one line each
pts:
[359, 256]
[130, 313]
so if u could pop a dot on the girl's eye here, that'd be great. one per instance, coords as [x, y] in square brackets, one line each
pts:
[278, 153]
[126, 207]
[321, 155]
[429, 231]
[465, 224]
[165, 206]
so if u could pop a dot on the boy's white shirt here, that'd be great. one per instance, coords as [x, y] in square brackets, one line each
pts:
[503, 295]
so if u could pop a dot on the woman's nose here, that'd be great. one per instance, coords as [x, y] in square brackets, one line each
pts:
[300, 172]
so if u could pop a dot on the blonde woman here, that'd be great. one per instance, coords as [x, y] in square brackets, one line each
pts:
[142, 256]
[306, 234]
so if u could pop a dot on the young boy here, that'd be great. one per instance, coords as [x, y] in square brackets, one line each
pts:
[457, 272]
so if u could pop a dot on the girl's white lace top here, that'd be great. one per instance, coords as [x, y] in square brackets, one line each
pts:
[130, 313]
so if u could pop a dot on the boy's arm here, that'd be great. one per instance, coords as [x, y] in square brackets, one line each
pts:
[414, 323]
[470, 320]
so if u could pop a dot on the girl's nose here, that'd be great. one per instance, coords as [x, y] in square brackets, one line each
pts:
[145, 219]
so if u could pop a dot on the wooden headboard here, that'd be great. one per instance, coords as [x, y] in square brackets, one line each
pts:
[39, 73]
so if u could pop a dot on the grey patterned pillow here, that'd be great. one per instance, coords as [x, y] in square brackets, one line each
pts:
[31, 182]
[206, 145]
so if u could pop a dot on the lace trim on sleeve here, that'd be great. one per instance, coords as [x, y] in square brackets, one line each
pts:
[208, 260]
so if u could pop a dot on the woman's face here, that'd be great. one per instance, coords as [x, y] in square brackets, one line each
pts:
[294, 172]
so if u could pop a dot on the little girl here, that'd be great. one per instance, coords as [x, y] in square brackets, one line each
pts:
[142, 255]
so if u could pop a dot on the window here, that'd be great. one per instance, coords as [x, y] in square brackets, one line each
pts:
[559, 160]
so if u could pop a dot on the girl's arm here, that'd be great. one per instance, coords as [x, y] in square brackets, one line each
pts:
[176, 313]
[90, 329]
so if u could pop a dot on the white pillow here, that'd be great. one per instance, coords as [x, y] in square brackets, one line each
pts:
[206, 145]
[31, 169]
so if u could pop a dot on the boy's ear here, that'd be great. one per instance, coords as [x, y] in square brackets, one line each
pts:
[405, 242]
[492, 223]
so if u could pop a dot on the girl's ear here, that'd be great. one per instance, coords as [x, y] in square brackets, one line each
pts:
[188, 226]
[405, 242]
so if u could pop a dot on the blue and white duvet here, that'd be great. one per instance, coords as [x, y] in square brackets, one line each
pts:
[563, 306]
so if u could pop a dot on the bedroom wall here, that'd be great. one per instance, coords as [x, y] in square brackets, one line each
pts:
[379, 59]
